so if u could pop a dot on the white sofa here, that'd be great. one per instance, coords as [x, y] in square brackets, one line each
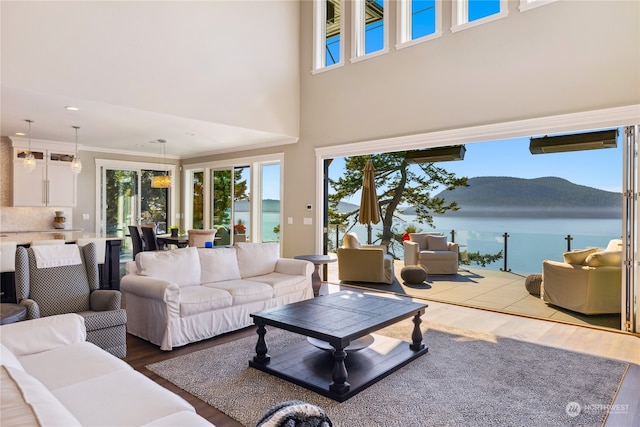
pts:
[185, 295]
[51, 376]
[431, 251]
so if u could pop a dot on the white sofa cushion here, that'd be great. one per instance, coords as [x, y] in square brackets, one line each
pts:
[420, 239]
[198, 299]
[44, 334]
[180, 266]
[282, 284]
[25, 398]
[218, 264]
[578, 256]
[256, 259]
[7, 358]
[350, 241]
[244, 291]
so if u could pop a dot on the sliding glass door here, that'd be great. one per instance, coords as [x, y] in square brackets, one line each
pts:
[127, 198]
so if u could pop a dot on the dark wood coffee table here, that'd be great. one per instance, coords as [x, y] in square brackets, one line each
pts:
[339, 319]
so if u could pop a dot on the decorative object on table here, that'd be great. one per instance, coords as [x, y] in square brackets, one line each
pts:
[174, 230]
[532, 284]
[11, 313]
[295, 413]
[413, 274]
[60, 221]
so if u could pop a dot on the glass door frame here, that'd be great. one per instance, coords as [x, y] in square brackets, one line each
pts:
[631, 232]
[102, 164]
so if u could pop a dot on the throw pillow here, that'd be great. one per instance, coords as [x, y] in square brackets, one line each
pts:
[578, 256]
[350, 241]
[180, 266]
[437, 243]
[218, 265]
[604, 259]
[257, 259]
[420, 239]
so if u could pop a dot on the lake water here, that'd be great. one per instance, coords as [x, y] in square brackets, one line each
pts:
[529, 242]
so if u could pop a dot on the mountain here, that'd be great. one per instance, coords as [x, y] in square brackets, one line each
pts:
[539, 197]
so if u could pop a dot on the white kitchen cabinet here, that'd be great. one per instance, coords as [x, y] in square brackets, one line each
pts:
[51, 183]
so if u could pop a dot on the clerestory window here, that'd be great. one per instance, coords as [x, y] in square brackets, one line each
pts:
[469, 13]
[370, 29]
[418, 21]
[328, 31]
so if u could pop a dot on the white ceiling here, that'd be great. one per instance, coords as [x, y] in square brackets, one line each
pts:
[208, 76]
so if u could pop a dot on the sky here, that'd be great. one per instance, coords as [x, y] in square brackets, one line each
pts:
[511, 157]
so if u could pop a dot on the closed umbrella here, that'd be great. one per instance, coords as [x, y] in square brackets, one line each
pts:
[369, 208]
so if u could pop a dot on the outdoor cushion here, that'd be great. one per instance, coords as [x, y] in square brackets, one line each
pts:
[437, 243]
[218, 264]
[420, 239]
[163, 264]
[350, 241]
[604, 258]
[578, 256]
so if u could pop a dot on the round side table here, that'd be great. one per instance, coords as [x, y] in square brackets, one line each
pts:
[317, 261]
[11, 313]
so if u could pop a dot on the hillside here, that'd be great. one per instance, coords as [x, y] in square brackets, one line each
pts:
[539, 197]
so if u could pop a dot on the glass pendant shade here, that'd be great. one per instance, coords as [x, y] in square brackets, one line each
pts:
[76, 164]
[29, 162]
[161, 181]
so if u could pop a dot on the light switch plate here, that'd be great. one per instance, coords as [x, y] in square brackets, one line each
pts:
[85, 216]
[290, 220]
[307, 221]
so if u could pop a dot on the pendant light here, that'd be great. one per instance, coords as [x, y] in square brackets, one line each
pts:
[29, 162]
[162, 181]
[76, 164]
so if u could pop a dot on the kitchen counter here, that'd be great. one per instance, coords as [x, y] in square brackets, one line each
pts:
[69, 236]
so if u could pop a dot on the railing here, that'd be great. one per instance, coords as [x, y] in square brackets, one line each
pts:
[521, 252]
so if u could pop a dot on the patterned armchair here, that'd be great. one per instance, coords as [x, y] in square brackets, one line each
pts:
[71, 286]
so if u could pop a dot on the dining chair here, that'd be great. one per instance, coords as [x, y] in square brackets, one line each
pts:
[149, 236]
[198, 238]
[136, 240]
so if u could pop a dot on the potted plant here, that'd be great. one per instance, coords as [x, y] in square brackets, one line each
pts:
[409, 229]
[174, 230]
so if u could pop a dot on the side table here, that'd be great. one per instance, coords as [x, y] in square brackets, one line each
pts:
[317, 261]
[11, 313]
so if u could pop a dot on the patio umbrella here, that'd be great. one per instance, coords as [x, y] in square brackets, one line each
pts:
[369, 208]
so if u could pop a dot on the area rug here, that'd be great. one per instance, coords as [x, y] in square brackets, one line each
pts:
[466, 379]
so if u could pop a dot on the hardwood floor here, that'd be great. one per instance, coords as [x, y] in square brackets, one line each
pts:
[141, 353]
[599, 342]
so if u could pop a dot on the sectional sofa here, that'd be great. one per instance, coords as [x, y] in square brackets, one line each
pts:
[185, 295]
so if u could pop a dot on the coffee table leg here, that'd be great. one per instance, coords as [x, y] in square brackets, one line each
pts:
[339, 374]
[261, 347]
[416, 335]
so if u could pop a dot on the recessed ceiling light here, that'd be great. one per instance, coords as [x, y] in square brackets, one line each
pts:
[71, 108]
[21, 134]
